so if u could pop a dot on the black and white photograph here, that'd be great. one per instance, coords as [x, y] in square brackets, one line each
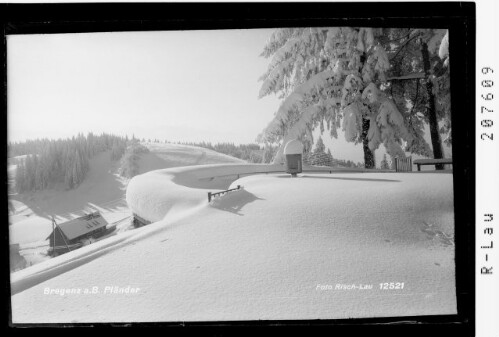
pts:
[294, 172]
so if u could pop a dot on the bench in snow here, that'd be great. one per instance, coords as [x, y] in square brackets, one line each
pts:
[420, 162]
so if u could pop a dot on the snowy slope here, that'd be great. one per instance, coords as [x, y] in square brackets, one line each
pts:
[102, 190]
[269, 251]
[156, 193]
[172, 155]
[175, 192]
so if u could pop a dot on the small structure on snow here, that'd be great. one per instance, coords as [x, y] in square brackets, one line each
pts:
[73, 234]
[293, 152]
[139, 221]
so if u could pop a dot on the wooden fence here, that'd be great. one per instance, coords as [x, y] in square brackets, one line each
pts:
[211, 195]
[403, 164]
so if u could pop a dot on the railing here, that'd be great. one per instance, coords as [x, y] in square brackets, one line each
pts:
[442, 161]
[305, 169]
[403, 164]
[211, 195]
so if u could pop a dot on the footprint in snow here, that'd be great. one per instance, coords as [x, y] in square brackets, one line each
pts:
[432, 233]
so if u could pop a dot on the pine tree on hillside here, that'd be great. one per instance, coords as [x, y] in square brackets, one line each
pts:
[330, 159]
[319, 156]
[320, 147]
[268, 153]
[20, 180]
[50, 161]
[384, 163]
[30, 172]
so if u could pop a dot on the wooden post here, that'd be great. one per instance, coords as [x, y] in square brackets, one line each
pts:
[209, 196]
[53, 239]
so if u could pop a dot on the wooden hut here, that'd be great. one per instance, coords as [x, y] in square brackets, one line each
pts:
[70, 235]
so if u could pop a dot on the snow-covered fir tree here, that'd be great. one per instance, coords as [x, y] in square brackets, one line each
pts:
[384, 163]
[319, 146]
[338, 77]
[419, 84]
[330, 157]
[48, 162]
[319, 156]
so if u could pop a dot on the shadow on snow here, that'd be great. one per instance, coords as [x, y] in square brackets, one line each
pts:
[234, 201]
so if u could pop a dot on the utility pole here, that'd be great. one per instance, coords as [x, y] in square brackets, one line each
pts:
[62, 235]
[53, 239]
[431, 110]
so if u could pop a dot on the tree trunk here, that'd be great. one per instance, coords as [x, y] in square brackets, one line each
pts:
[368, 154]
[369, 161]
[431, 111]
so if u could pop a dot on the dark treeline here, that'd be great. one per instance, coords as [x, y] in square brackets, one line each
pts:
[346, 163]
[48, 162]
[66, 161]
[252, 153]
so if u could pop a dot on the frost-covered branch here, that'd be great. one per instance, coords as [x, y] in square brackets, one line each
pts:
[414, 76]
[339, 74]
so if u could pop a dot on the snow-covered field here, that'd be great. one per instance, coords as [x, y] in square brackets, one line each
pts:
[280, 248]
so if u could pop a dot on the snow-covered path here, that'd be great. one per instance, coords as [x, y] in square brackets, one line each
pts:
[270, 251]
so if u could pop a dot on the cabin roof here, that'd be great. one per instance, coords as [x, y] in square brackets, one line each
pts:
[82, 225]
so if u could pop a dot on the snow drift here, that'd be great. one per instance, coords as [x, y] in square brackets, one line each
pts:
[269, 251]
[156, 193]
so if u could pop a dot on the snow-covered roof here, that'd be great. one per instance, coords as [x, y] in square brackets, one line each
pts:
[82, 225]
[293, 147]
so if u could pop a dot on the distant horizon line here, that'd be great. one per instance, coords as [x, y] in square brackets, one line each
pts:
[125, 135]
